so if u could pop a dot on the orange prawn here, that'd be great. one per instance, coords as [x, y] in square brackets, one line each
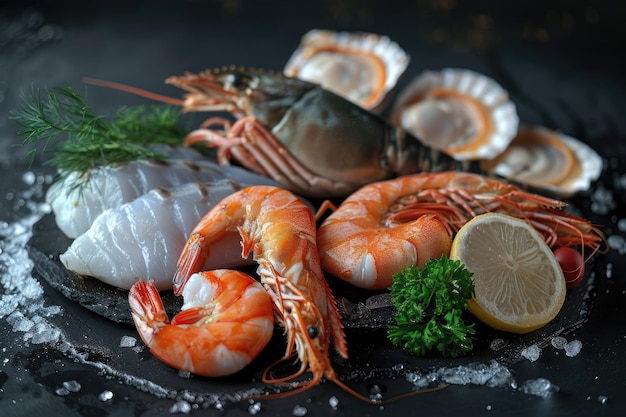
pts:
[280, 231]
[388, 225]
[226, 321]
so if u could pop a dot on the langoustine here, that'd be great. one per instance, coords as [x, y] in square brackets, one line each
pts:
[143, 239]
[385, 226]
[225, 322]
[309, 139]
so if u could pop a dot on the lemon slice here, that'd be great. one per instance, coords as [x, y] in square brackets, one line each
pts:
[519, 285]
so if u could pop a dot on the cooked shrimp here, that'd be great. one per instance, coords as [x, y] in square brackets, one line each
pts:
[225, 322]
[280, 230]
[388, 225]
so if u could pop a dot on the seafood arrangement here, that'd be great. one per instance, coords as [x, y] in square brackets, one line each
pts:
[403, 186]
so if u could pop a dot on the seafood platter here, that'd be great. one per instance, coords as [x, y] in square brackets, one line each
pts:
[357, 220]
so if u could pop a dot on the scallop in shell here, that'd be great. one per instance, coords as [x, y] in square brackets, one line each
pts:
[362, 67]
[547, 159]
[466, 114]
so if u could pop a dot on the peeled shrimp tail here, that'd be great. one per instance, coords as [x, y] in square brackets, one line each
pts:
[225, 322]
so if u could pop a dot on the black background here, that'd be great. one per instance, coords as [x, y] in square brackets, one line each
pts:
[559, 60]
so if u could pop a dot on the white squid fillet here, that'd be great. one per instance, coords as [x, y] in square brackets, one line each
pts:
[76, 207]
[143, 239]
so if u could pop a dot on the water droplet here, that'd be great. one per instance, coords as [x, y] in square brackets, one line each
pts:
[497, 344]
[72, 386]
[254, 408]
[105, 396]
[299, 411]
[333, 402]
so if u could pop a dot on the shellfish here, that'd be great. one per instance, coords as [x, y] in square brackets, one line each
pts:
[362, 67]
[466, 114]
[549, 160]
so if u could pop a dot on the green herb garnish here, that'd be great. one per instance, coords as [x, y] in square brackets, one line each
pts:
[90, 140]
[430, 302]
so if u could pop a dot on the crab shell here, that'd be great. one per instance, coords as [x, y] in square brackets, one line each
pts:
[361, 67]
[547, 159]
[466, 114]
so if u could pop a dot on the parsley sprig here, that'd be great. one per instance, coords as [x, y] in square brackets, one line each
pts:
[430, 302]
[90, 140]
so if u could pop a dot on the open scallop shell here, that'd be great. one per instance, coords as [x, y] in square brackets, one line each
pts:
[466, 114]
[547, 159]
[362, 67]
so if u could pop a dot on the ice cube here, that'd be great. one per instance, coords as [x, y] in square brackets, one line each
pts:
[254, 408]
[299, 411]
[46, 335]
[72, 386]
[531, 352]
[105, 396]
[128, 342]
[573, 348]
[333, 402]
[540, 387]
[558, 342]
[181, 406]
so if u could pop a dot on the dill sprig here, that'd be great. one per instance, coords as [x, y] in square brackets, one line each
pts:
[87, 140]
[430, 302]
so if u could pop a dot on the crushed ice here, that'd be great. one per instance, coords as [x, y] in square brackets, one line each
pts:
[531, 352]
[333, 402]
[540, 387]
[300, 411]
[493, 375]
[105, 396]
[128, 342]
[22, 302]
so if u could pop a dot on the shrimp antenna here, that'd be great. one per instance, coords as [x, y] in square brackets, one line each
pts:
[134, 90]
[306, 385]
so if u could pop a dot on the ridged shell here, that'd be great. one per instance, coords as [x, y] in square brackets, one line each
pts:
[362, 67]
[464, 113]
[547, 159]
